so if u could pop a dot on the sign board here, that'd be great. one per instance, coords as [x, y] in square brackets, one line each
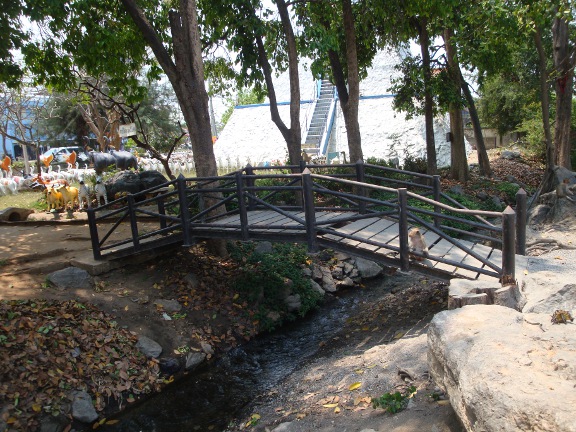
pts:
[127, 130]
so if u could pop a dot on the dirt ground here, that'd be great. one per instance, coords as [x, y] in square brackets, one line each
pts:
[386, 335]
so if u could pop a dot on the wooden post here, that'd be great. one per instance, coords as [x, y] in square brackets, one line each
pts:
[133, 221]
[250, 183]
[403, 229]
[361, 191]
[162, 212]
[242, 206]
[302, 164]
[508, 247]
[521, 218]
[93, 232]
[436, 188]
[184, 211]
[309, 211]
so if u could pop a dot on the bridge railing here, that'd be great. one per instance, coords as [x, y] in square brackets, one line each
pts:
[410, 208]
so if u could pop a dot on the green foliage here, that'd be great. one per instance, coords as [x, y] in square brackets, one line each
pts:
[266, 279]
[394, 402]
[415, 164]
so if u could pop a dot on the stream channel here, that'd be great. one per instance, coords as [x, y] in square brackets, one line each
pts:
[207, 400]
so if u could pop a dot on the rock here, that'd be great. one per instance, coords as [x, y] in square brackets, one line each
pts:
[341, 256]
[306, 271]
[148, 347]
[509, 154]
[497, 202]
[337, 273]
[192, 281]
[316, 287]
[15, 214]
[368, 269]
[538, 214]
[457, 190]
[563, 298]
[168, 305]
[346, 282]
[316, 272]
[482, 196]
[123, 181]
[464, 292]
[149, 179]
[169, 365]
[207, 348]
[283, 427]
[328, 283]
[504, 371]
[273, 316]
[293, 303]
[71, 278]
[264, 247]
[193, 360]
[348, 268]
[82, 407]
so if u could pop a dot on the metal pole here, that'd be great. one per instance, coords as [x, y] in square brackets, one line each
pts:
[184, 212]
[242, 206]
[436, 185]
[508, 247]
[309, 211]
[521, 219]
[403, 229]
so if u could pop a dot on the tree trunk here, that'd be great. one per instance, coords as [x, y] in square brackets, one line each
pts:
[459, 162]
[424, 39]
[483, 160]
[351, 110]
[186, 74]
[564, 66]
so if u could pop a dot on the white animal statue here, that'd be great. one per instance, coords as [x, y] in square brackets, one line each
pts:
[84, 195]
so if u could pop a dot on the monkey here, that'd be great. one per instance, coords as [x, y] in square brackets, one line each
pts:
[563, 190]
[417, 244]
[306, 157]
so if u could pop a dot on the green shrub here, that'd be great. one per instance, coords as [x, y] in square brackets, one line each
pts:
[266, 279]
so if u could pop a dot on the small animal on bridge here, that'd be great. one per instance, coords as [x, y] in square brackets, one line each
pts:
[84, 195]
[54, 198]
[417, 244]
[69, 195]
[100, 190]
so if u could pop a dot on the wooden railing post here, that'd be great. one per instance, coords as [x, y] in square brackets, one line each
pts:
[436, 189]
[162, 212]
[133, 221]
[94, 233]
[521, 219]
[250, 182]
[242, 206]
[302, 164]
[184, 211]
[361, 191]
[309, 211]
[403, 229]
[508, 247]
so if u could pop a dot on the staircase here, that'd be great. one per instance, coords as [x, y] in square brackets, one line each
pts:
[319, 119]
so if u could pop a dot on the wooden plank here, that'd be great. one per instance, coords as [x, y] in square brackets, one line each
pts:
[385, 236]
[372, 230]
[351, 228]
[470, 260]
[455, 254]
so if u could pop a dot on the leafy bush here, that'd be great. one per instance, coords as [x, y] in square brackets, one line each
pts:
[266, 279]
[394, 402]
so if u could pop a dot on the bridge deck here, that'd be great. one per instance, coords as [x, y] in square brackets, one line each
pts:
[374, 238]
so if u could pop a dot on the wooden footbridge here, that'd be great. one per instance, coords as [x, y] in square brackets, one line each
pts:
[360, 209]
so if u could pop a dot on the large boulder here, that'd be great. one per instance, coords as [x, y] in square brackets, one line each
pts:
[504, 370]
[133, 182]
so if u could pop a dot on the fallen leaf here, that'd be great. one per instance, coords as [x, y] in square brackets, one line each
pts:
[300, 416]
[112, 422]
[337, 410]
[444, 402]
[355, 386]
[332, 405]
